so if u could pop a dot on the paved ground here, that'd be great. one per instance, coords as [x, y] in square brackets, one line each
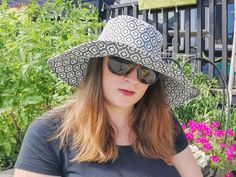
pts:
[7, 173]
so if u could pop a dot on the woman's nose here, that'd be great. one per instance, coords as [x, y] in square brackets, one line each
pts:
[132, 76]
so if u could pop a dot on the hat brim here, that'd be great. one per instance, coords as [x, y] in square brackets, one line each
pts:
[71, 67]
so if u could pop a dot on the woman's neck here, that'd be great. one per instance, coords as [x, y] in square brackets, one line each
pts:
[120, 119]
[120, 116]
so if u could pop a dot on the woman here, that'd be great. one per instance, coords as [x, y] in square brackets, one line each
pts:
[119, 124]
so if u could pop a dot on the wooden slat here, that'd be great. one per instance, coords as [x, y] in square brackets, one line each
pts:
[107, 14]
[116, 12]
[199, 28]
[145, 15]
[232, 78]
[125, 11]
[199, 32]
[135, 11]
[224, 37]
[176, 33]
[165, 29]
[155, 19]
[187, 30]
[211, 36]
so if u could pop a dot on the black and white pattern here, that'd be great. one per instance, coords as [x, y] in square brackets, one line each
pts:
[132, 39]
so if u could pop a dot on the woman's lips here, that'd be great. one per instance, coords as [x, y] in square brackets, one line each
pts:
[126, 92]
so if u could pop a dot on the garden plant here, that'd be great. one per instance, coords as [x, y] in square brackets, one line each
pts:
[30, 34]
[204, 124]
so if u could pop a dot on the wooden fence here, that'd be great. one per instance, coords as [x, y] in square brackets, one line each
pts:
[200, 30]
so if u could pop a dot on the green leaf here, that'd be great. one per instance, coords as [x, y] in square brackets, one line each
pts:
[7, 148]
[5, 109]
[13, 140]
[32, 100]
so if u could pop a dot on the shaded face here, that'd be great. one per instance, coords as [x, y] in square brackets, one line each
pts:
[121, 91]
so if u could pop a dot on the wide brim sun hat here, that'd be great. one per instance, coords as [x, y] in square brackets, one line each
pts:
[134, 40]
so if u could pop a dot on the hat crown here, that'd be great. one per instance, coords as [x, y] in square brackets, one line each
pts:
[133, 32]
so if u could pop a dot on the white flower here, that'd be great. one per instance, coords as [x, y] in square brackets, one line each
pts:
[194, 148]
[200, 156]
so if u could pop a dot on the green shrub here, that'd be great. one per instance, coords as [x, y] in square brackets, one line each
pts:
[208, 105]
[206, 101]
[29, 36]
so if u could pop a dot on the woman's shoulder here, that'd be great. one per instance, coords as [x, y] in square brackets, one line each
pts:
[43, 129]
[45, 122]
[40, 152]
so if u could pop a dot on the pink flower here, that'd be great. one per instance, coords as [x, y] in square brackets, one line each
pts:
[215, 124]
[207, 146]
[230, 157]
[232, 147]
[215, 158]
[189, 136]
[202, 126]
[229, 174]
[230, 133]
[229, 154]
[193, 128]
[219, 133]
[222, 145]
[202, 140]
[183, 126]
[208, 132]
[191, 122]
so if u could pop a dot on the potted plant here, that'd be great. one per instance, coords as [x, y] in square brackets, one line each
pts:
[207, 144]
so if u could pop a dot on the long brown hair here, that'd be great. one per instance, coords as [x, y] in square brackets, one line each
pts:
[87, 128]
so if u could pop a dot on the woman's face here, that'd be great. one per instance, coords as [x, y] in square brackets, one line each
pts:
[121, 91]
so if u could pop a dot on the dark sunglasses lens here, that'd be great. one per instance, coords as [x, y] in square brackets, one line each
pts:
[147, 76]
[119, 66]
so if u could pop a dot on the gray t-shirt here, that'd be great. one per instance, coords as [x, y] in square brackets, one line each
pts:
[40, 155]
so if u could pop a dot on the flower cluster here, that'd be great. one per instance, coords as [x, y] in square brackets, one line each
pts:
[200, 156]
[209, 139]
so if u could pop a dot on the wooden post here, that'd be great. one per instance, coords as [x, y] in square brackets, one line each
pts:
[233, 58]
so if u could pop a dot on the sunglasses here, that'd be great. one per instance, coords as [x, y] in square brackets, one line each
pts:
[120, 66]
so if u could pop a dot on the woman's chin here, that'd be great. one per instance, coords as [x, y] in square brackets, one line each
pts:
[123, 104]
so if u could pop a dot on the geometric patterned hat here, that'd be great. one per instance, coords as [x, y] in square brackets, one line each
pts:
[134, 40]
